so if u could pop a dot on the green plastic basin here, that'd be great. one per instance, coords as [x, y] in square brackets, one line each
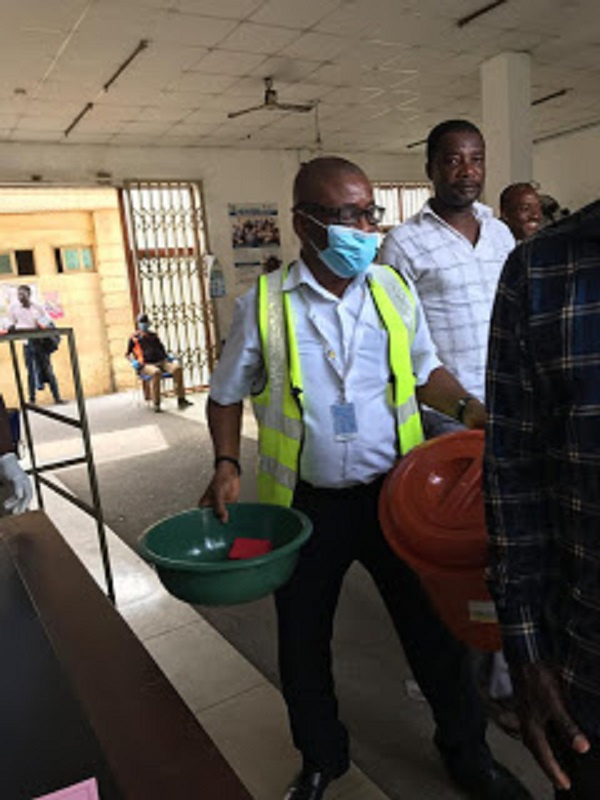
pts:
[190, 549]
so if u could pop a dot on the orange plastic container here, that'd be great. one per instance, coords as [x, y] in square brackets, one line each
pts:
[432, 514]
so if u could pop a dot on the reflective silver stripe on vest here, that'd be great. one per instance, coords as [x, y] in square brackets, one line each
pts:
[283, 475]
[272, 417]
[276, 334]
[406, 410]
[393, 287]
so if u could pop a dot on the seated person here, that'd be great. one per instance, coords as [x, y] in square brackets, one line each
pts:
[521, 210]
[149, 357]
[12, 475]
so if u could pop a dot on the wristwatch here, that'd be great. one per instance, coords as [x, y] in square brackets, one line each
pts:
[230, 460]
[461, 407]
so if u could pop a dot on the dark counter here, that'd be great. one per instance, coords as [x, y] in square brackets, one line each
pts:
[81, 697]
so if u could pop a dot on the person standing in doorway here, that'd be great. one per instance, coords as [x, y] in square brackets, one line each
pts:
[26, 315]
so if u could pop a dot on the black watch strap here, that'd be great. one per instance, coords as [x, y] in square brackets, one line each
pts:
[231, 460]
[461, 407]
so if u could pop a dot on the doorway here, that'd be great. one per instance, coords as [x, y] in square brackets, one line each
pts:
[166, 242]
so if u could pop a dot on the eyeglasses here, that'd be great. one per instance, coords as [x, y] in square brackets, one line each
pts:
[344, 215]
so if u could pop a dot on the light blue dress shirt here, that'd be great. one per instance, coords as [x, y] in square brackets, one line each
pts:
[349, 327]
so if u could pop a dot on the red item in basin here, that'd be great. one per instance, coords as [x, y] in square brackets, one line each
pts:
[249, 548]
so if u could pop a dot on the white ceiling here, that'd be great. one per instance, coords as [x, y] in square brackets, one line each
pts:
[383, 71]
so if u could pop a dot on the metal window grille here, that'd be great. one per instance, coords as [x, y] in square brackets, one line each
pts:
[400, 200]
[166, 243]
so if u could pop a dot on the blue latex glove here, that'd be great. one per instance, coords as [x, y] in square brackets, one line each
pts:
[136, 365]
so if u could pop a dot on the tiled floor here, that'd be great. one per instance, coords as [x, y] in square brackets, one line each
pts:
[241, 711]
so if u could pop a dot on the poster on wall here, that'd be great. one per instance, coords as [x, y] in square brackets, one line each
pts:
[254, 234]
[52, 305]
[49, 301]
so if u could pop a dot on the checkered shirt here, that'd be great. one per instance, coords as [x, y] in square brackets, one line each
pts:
[542, 461]
[456, 283]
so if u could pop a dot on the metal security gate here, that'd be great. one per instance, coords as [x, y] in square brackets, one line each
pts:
[166, 241]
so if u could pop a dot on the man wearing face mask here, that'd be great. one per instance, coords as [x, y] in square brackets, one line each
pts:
[336, 355]
[149, 357]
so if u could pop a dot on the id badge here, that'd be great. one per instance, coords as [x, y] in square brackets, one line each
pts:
[345, 426]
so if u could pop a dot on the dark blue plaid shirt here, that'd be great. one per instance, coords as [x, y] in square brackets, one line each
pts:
[542, 461]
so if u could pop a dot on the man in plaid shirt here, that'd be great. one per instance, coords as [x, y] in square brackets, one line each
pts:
[453, 251]
[542, 485]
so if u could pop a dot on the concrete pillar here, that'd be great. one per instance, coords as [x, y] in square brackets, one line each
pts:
[507, 121]
[111, 265]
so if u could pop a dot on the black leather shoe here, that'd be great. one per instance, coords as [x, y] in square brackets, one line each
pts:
[486, 781]
[309, 785]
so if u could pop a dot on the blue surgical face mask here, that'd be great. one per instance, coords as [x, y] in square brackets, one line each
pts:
[144, 326]
[349, 251]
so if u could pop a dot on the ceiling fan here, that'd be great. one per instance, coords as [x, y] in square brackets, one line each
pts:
[271, 102]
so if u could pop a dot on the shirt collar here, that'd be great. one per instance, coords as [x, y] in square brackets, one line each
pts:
[480, 212]
[299, 274]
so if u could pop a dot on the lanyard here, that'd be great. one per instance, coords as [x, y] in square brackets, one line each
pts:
[341, 371]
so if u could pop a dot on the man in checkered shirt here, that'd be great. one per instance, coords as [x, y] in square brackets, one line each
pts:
[542, 487]
[453, 251]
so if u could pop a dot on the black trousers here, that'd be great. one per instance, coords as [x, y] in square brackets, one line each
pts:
[39, 370]
[346, 529]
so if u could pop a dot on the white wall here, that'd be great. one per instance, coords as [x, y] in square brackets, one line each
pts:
[568, 168]
[227, 176]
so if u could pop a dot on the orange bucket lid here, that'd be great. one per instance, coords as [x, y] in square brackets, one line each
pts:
[432, 514]
[431, 504]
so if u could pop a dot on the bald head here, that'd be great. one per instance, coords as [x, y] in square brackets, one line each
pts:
[314, 177]
[330, 191]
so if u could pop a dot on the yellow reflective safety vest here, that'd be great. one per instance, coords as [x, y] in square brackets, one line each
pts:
[278, 407]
